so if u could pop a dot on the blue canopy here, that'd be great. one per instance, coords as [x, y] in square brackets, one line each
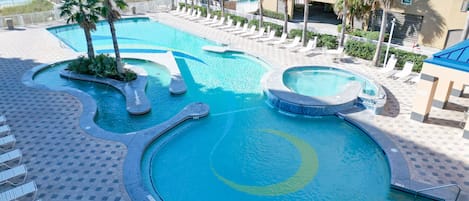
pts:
[455, 57]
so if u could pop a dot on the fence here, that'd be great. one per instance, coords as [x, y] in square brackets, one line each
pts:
[54, 15]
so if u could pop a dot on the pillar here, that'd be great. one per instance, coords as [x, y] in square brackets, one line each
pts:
[423, 98]
[458, 89]
[442, 93]
[466, 129]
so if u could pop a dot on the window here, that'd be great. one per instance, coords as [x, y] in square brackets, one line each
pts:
[465, 6]
[406, 2]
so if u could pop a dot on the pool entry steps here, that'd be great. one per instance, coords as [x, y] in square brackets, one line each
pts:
[351, 94]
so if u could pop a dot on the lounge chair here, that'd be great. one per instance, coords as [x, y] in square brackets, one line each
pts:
[206, 19]
[294, 43]
[5, 130]
[310, 46]
[282, 40]
[251, 31]
[243, 30]
[213, 21]
[390, 65]
[7, 142]
[406, 71]
[14, 176]
[219, 23]
[199, 14]
[336, 53]
[19, 192]
[3, 119]
[236, 27]
[178, 9]
[259, 34]
[10, 157]
[270, 37]
[415, 79]
[229, 24]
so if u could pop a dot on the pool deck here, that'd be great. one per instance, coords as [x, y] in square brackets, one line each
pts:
[69, 164]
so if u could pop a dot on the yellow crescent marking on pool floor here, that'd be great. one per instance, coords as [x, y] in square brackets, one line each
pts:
[304, 174]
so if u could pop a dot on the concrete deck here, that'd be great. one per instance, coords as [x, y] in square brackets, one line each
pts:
[69, 164]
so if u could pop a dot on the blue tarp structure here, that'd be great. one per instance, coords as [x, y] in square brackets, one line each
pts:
[455, 57]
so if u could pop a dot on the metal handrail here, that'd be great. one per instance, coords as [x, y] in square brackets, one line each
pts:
[439, 187]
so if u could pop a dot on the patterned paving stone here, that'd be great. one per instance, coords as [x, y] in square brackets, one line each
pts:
[68, 164]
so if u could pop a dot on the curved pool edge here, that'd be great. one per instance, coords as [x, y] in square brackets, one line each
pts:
[399, 168]
[283, 98]
[135, 142]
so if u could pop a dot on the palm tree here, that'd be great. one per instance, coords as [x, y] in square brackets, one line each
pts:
[344, 24]
[222, 4]
[285, 16]
[110, 11]
[85, 13]
[385, 5]
[208, 6]
[305, 23]
[261, 14]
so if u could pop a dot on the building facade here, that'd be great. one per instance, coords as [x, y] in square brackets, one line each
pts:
[432, 23]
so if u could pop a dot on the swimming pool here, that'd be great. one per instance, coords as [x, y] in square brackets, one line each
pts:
[244, 150]
[324, 81]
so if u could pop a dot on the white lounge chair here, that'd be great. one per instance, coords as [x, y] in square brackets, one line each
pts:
[294, 43]
[213, 21]
[310, 46]
[415, 79]
[390, 65]
[219, 23]
[19, 192]
[243, 30]
[229, 24]
[3, 119]
[270, 37]
[406, 71]
[14, 176]
[208, 18]
[236, 27]
[282, 40]
[7, 142]
[336, 53]
[259, 34]
[199, 14]
[10, 157]
[5, 130]
[251, 31]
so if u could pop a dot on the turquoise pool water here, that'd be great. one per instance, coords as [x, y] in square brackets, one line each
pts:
[244, 150]
[323, 81]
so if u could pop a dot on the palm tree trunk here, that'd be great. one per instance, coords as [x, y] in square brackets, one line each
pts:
[285, 15]
[466, 29]
[261, 14]
[344, 24]
[305, 23]
[222, 4]
[381, 38]
[208, 6]
[120, 68]
[89, 43]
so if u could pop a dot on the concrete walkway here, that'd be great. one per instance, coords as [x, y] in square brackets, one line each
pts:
[69, 164]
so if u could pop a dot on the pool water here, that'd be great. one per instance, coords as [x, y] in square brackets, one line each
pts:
[322, 81]
[244, 150]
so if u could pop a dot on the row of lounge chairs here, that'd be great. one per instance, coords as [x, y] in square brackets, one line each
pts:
[13, 174]
[404, 74]
[263, 34]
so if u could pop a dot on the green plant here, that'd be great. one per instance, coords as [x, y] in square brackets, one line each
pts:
[371, 35]
[348, 28]
[34, 6]
[101, 66]
[272, 14]
[324, 40]
[366, 50]
[273, 26]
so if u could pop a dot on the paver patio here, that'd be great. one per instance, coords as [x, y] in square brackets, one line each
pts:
[69, 164]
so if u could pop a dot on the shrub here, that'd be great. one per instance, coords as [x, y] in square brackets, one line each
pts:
[273, 26]
[366, 50]
[101, 66]
[325, 40]
[34, 6]
[371, 35]
[348, 28]
[273, 14]
[201, 8]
